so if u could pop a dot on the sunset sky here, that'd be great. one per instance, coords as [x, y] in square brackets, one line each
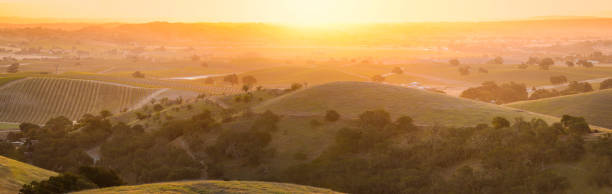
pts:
[302, 11]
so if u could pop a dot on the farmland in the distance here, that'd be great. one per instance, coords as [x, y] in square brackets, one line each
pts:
[38, 99]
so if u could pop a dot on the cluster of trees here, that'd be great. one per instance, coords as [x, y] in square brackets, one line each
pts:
[505, 159]
[86, 178]
[558, 79]
[233, 79]
[606, 84]
[574, 87]
[137, 156]
[498, 94]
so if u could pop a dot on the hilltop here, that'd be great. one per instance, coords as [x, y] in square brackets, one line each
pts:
[13, 174]
[595, 107]
[212, 187]
[353, 98]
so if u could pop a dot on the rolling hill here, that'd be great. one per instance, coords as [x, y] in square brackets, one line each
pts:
[38, 99]
[212, 187]
[13, 174]
[595, 107]
[427, 108]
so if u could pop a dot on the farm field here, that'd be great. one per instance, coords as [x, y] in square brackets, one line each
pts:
[13, 174]
[532, 76]
[38, 99]
[353, 98]
[211, 186]
[595, 107]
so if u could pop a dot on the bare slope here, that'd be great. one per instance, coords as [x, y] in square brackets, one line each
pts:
[352, 98]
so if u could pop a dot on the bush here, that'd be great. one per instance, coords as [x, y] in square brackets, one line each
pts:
[332, 116]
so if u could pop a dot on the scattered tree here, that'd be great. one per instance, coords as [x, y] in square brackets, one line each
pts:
[454, 62]
[13, 68]
[209, 80]
[332, 116]
[138, 74]
[397, 70]
[378, 78]
[233, 79]
[546, 63]
[558, 79]
[249, 80]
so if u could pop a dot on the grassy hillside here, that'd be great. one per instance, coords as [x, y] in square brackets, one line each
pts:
[353, 98]
[594, 106]
[212, 187]
[38, 99]
[13, 174]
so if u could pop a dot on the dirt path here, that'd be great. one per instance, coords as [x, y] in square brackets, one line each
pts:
[148, 98]
[106, 70]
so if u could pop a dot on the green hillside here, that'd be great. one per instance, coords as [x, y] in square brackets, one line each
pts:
[353, 98]
[212, 187]
[13, 174]
[38, 99]
[596, 107]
